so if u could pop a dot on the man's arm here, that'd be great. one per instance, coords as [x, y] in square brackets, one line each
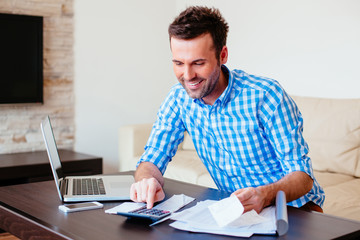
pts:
[148, 185]
[295, 185]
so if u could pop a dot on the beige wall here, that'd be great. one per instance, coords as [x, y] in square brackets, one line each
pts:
[122, 66]
[310, 46]
[20, 123]
[123, 69]
[123, 61]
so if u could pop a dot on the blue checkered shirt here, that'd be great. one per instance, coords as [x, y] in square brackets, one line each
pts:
[250, 136]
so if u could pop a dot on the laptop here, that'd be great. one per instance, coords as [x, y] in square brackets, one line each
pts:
[83, 188]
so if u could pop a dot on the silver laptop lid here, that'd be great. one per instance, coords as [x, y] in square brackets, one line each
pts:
[53, 154]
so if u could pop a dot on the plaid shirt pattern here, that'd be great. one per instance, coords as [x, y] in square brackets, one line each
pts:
[250, 136]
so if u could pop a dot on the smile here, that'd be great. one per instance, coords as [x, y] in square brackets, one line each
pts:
[195, 83]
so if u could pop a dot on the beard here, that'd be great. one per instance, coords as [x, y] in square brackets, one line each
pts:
[208, 87]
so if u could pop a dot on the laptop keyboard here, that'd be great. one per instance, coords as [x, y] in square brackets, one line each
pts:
[88, 186]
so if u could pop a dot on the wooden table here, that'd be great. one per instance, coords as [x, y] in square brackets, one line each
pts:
[29, 210]
[26, 167]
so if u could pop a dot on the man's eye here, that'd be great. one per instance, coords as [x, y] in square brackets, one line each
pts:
[178, 63]
[199, 63]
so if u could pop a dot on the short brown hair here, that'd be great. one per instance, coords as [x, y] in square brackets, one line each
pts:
[195, 21]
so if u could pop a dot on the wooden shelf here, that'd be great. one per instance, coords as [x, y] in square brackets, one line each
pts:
[26, 167]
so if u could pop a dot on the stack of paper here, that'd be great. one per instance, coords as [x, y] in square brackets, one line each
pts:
[223, 217]
[228, 211]
[200, 219]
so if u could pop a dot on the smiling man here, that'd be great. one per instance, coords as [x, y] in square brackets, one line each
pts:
[246, 129]
[197, 69]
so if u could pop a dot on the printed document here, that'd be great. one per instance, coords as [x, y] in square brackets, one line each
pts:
[200, 219]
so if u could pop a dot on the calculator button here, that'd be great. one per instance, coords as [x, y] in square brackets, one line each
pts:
[145, 211]
[153, 214]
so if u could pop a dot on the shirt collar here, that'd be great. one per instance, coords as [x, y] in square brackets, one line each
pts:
[224, 97]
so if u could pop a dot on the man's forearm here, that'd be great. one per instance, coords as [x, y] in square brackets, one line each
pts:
[295, 185]
[148, 170]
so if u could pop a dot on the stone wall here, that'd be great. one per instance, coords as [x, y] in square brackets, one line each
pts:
[20, 123]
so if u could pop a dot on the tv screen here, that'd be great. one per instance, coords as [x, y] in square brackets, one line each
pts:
[21, 59]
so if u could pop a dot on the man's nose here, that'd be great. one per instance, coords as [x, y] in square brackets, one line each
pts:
[189, 73]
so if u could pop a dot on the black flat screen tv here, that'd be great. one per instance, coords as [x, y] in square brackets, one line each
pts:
[21, 59]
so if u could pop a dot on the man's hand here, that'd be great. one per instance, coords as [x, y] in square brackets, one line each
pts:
[147, 190]
[295, 185]
[148, 185]
[251, 198]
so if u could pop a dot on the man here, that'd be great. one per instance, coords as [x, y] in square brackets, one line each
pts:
[246, 129]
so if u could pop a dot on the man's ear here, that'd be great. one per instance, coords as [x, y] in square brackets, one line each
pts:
[224, 55]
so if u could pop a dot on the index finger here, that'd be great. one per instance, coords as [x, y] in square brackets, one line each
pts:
[155, 193]
[150, 196]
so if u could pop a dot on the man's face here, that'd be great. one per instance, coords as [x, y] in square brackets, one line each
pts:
[196, 66]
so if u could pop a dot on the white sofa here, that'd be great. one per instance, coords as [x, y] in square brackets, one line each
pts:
[331, 128]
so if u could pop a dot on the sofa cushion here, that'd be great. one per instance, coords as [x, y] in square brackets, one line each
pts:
[187, 143]
[343, 200]
[206, 181]
[185, 166]
[326, 179]
[332, 130]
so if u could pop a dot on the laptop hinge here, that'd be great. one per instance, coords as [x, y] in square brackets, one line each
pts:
[64, 186]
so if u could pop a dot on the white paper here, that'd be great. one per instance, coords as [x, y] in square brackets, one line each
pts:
[248, 219]
[125, 207]
[267, 227]
[175, 203]
[199, 219]
[198, 215]
[226, 211]
[172, 204]
[186, 227]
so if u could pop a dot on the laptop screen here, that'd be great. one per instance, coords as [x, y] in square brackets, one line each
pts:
[52, 152]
